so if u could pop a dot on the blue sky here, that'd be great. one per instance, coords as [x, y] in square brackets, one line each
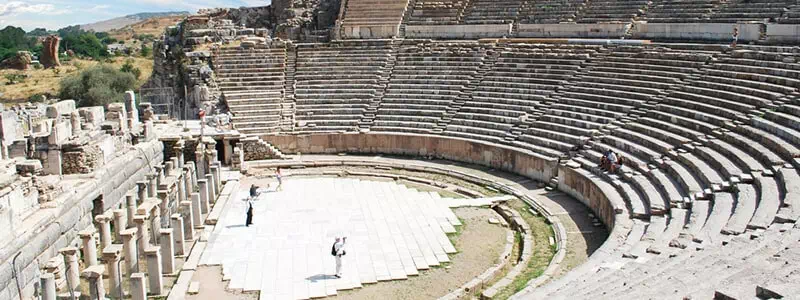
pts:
[54, 14]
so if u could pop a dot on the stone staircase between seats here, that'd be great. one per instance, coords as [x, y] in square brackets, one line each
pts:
[252, 85]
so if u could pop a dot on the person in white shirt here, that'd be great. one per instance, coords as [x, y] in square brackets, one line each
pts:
[338, 249]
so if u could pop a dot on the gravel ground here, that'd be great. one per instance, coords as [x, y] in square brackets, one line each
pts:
[479, 246]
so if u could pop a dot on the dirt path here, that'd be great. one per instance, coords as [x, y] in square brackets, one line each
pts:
[479, 246]
[212, 286]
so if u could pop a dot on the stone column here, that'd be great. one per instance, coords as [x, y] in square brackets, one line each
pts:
[197, 217]
[167, 251]
[89, 247]
[199, 163]
[75, 121]
[193, 172]
[178, 238]
[48, 282]
[188, 220]
[175, 165]
[155, 224]
[111, 257]
[71, 264]
[104, 223]
[203, 190]
[182, 193]
[129, 250]
[228, 150]
[154, 272]
[163, 195]
[141, 191]
[120, 223]
[94, 275]
[138, 287]
[218, 175]
[187, 180]
[159, 175]
[212, 191]
[178, 149]
[130, 202]
[215, 178]
[151, 185]
[168, 169]
[144, 237]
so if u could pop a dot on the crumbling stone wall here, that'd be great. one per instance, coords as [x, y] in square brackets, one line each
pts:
[114, 179]
[251, 17]
[257, 149]
[83, 160]
[24, 197]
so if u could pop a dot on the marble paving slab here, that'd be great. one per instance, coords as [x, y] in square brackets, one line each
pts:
[393, 232]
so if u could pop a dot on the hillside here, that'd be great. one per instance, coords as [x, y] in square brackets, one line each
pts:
[43, 81]
[117, 23]
[153, 26]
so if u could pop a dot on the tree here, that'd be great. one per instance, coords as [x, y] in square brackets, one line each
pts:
[129, 68]
[146, 51]
[13, 39]
[83, 43]
[98, 85]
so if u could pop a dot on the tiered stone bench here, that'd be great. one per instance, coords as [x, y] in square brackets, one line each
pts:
[252, 81]
[336, 82]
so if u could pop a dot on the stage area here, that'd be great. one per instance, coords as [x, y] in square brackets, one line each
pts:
[393, 232]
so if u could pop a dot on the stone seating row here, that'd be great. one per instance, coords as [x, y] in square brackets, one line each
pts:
[443, 78]
[492, 12]
[335, 83]
[550, 11]
[436, 12]
[680, 11]
[610, 10]
[749, 10]
[369, 12]
[252, 84]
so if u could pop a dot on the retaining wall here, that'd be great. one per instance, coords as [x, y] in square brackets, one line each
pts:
[696, 31]
[783, 33]
[458, 31]
[58, 227]
[593, 192]
[369, 31]
[496, 156]
[572, 30]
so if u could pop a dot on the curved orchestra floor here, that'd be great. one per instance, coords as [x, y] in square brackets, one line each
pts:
[393, 232]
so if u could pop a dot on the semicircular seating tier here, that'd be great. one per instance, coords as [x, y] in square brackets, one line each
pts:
[711, 139]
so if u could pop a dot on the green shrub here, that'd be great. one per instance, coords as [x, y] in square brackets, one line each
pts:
[129, 68]
[146, 51]
[13, 78]
[98, 85]
[37, 98]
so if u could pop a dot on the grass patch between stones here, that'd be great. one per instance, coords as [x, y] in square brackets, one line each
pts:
[542, 250]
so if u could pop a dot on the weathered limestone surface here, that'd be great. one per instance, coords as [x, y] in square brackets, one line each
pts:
[482, 153]
[458, 31]
[113, 181]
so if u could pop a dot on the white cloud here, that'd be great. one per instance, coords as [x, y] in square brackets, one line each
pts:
[99, 7]
[14, 8]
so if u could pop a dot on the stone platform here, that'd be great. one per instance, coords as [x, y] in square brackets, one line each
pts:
[392, 231]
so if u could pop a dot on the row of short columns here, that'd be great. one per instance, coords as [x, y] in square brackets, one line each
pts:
[131, 238]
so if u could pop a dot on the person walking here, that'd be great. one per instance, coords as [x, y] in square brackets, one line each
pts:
[338, 251]
[253, 195]
[735, 37]
[278, 176]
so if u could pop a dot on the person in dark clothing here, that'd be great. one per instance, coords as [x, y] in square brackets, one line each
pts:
[253, 195]
[253, 191]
